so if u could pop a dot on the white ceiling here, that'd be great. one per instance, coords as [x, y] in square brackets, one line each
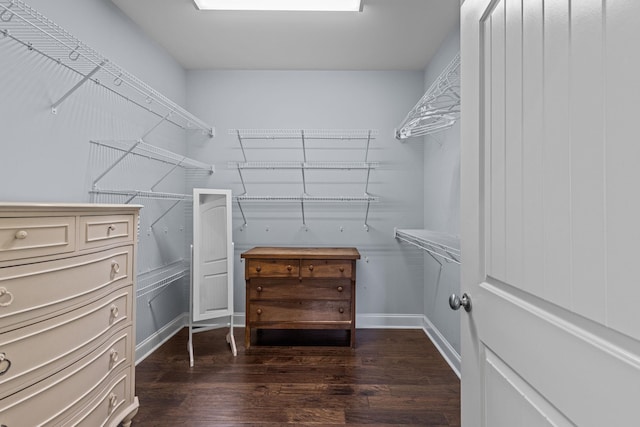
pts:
[386, 35]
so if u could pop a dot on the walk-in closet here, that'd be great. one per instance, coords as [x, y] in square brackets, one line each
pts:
[354, 212]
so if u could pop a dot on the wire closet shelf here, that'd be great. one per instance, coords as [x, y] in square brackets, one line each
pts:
[439, 107]
[303, 136]
[25, 25]
[437, 244]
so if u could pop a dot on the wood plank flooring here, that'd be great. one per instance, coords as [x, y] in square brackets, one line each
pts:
[391, 378]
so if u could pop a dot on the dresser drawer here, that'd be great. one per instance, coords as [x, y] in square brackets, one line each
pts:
[61, 340]
[31, 293]
[320, 289]
[112, 400]
[300, 311]
[325, 268]
[32, 237]
[66, 394]
[98, 231]
[272, 268]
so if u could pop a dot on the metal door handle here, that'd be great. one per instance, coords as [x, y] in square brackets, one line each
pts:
[456, 302]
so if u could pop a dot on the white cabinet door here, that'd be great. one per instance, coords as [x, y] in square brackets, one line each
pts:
[550, 212]
[212, 293]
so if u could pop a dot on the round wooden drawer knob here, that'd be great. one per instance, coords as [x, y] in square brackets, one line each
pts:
[340, 289]
[310, 267]
[259, 311]
[289, 268]
[341, 269]
[259, 289]
[258, 269]
[341, 310]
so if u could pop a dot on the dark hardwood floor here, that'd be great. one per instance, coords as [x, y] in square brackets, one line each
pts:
[391, 378]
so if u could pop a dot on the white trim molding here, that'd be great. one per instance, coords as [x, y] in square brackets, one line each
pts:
[154, 341]
[450, 355]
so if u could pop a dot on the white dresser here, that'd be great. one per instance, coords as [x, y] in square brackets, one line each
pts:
[67, 310]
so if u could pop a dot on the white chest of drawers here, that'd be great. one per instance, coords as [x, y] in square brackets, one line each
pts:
[67, 307]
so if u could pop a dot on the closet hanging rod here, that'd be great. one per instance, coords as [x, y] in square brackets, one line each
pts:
[30, 28]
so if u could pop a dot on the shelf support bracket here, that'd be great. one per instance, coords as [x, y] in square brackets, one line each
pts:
[162, 120]
[176, 166]
[366, 215]
[244, 218]
[165, 212]
[244, 156]
[110, 168]
[54, 107]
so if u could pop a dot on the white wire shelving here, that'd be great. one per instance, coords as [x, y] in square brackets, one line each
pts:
[37, 33]
[154, 282]
[435, 243]
[439, 107]
[303, 136]
[151, 152]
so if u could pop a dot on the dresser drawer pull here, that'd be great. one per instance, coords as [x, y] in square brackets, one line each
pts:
[115, 267]
[3, 292]
[22, 234]
[310, 267]
[341, 310]
[259, 289]
[111, 228]
[113, 355]
[259, 311]
[113, 401]
[340, 289]
[289, 267]
[114, 311]
[341, 269]
[5, 364]
[258, 269]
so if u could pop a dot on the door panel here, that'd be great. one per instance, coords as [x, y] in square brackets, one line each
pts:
[550, 226]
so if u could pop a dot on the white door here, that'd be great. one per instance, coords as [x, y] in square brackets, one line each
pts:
[212, 293]
[551, 212]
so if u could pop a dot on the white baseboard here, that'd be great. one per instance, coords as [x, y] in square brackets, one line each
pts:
[153, 342]
[449, 353]
[364, 321]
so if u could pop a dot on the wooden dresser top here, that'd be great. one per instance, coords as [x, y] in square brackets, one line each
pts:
[301, 252]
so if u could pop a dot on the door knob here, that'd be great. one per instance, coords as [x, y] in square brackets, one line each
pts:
[455, 302]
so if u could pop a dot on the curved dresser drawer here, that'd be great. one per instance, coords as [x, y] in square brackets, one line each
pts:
[32, 237]
[63, 397]
[31, 293]
[61, 340]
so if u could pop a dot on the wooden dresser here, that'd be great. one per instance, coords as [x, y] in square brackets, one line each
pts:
[300, 288]
[67, 303]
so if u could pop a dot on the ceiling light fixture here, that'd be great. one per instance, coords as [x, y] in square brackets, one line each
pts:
[282, 5]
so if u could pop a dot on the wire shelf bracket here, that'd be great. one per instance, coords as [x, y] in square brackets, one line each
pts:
[26, 26]
[439, 107]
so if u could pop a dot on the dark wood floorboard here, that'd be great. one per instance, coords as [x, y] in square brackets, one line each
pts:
[392, 378]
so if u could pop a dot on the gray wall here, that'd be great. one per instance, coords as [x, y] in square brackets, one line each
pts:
[390, 278]
[48, 158]
[442, 206]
